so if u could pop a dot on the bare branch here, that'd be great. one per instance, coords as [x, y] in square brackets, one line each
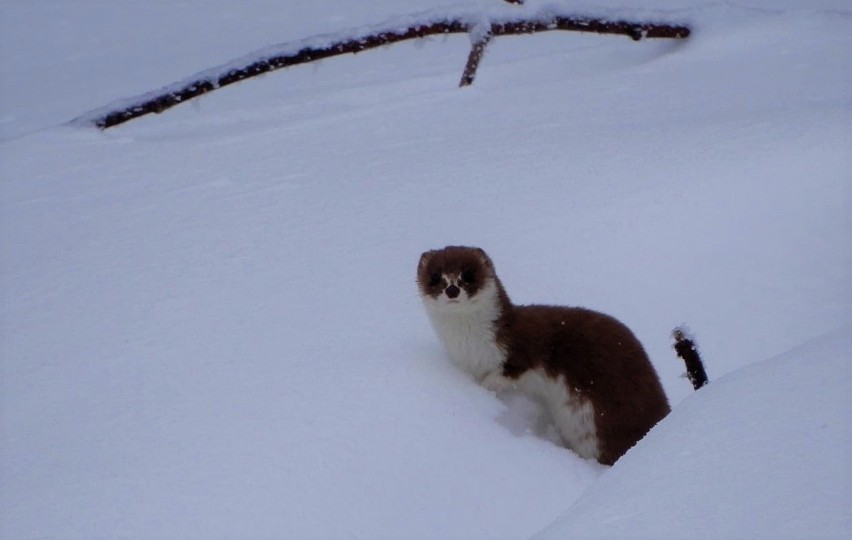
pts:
[203, 83]
[476, 52]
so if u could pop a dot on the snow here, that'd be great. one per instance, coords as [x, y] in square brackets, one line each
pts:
[753, 455]
[210, 327]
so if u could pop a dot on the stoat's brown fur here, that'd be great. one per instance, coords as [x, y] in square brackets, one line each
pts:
[588, 367]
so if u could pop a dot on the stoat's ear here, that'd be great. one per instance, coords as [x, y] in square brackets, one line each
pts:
[424, 258]
[486, 260]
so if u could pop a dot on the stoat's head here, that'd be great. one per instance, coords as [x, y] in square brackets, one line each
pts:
[456, 278]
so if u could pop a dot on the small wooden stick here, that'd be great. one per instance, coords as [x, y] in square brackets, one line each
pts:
[476, 52]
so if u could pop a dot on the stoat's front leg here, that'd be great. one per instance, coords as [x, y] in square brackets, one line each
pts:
[495, 381]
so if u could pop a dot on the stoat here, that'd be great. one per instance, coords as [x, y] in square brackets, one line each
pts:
[588, 368]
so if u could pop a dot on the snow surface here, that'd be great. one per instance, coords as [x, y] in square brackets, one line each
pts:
[756, 454]
[210, 327]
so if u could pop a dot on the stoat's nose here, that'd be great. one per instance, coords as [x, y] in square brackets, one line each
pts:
[452, 291]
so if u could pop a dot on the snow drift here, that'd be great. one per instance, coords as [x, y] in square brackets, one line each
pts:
[760, 453]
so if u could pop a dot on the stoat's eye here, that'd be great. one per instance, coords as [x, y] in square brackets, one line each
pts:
[434, 279]
[468, 276]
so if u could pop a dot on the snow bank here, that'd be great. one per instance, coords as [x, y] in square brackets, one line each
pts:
[760, 453]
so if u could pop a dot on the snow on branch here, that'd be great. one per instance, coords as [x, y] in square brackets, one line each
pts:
[482, 30]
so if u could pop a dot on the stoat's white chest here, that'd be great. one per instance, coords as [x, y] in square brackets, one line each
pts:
[466, 329]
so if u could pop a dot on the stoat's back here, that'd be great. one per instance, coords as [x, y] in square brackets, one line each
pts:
[598, 359]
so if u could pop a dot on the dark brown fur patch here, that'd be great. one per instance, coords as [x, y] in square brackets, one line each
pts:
[600, 359]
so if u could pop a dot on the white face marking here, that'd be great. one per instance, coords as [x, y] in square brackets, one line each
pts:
[451, 281]
[443, 298]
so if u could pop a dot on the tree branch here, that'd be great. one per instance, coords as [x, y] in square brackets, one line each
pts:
[201, 84]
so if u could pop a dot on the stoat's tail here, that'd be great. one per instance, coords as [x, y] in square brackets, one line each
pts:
[685, 347]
